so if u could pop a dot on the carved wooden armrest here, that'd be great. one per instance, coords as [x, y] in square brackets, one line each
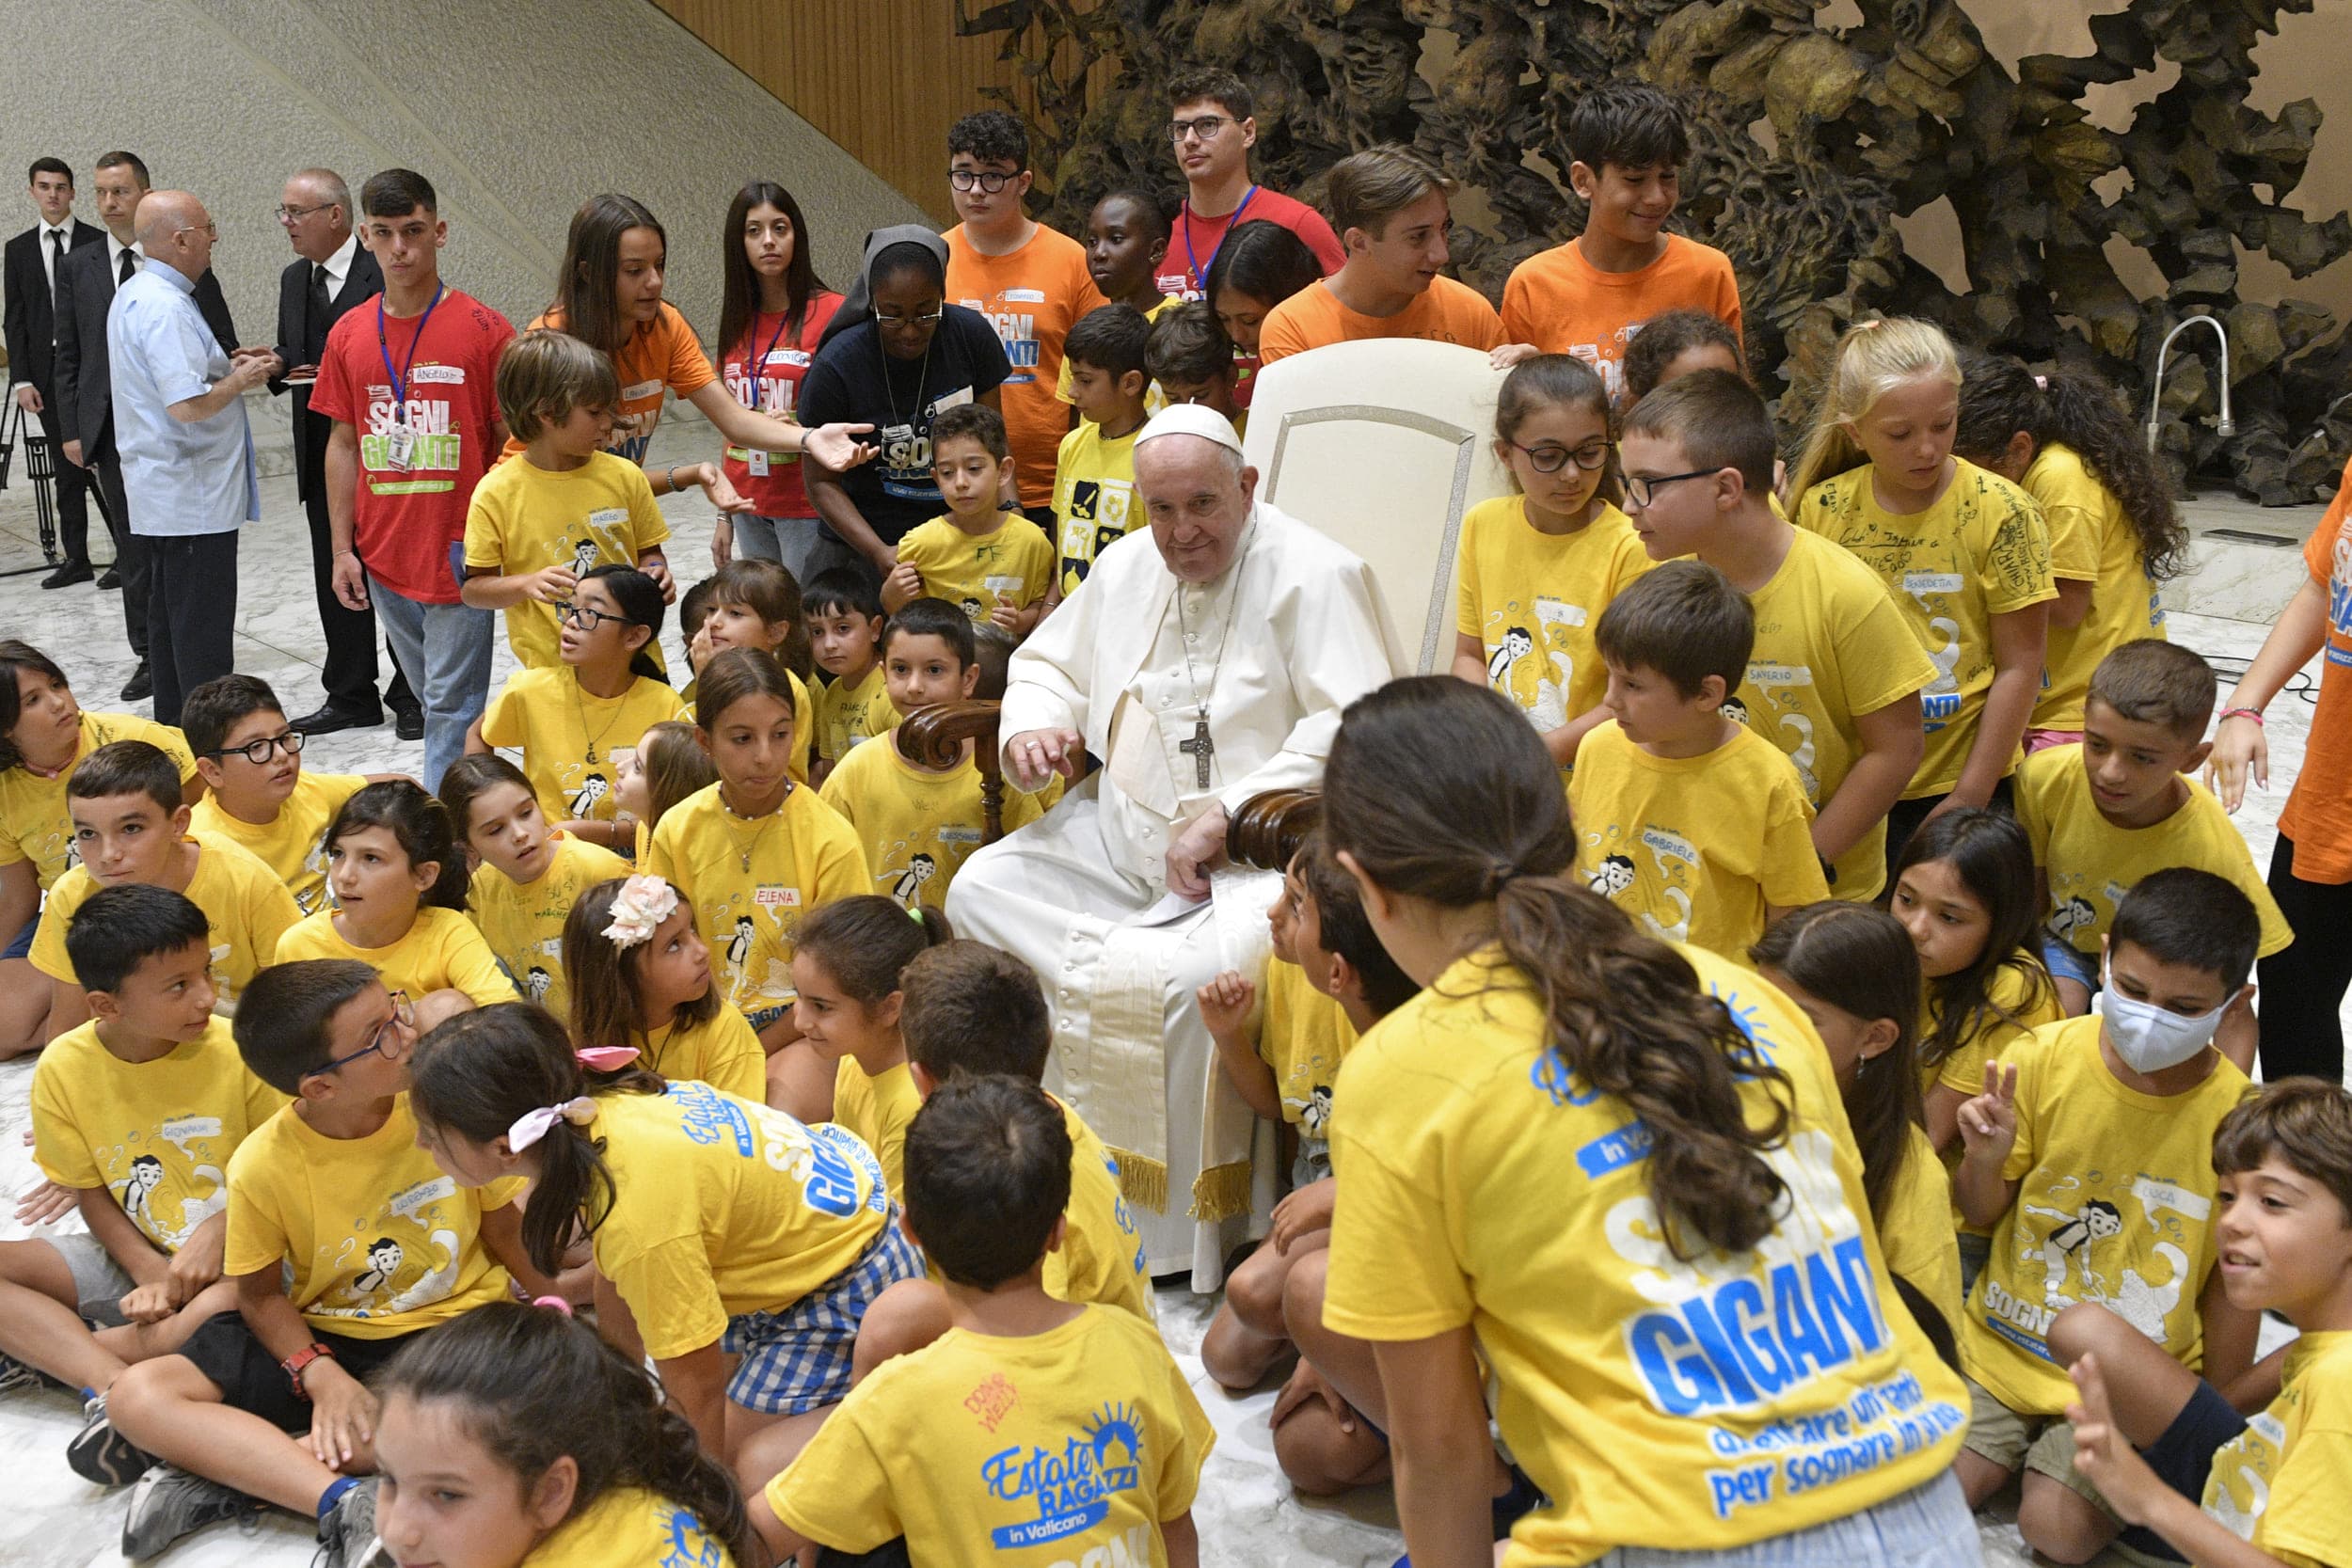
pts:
[1266, 832]
[934, 737]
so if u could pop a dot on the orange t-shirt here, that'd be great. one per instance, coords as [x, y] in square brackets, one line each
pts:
[1446, 312]
[1032, 296]
[2318, 816]
[663, 355]
[1562, 304]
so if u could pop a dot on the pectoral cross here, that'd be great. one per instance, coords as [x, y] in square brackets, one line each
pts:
[1200, 749]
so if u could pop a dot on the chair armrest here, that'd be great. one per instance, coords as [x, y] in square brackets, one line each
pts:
[935, 736]
[1266, 832]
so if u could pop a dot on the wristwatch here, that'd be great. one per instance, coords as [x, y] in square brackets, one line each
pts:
[295, 1363]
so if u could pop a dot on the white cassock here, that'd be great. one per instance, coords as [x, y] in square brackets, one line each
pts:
[1289, 636]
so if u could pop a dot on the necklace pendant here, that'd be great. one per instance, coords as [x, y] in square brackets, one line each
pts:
[591, 750]
[745, 856]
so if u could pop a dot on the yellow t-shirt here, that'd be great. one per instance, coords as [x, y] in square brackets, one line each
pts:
[2091, 540]
[1695, 1404]
[525, 518]
[630, 1526]
[1066, 1447]
[380, 1241]
[721, 1206]
[155, 1134]
[523, 922]
[1533, 600]
[2092, 864]
[1982, 550]
[1303, 1037]
[1094, 498]
[878, 1110]
[247, 912]
[2020, 990]
[752, 884]
[724, 1053]
[2115, 1206]
[1013, 565]
[442, 949]
[568, 738]
[850, 711]
[35, 824]
[2283, 1482]
[1694, 847]
[1916, 1232]
[1830, 645]
[917, 827]
[293, 844]
[1101, 1256]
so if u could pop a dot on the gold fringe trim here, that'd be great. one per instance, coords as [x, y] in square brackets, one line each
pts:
[1221, 1192]
[1142, 1180]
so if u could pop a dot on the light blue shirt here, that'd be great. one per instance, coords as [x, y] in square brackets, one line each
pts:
[180, 478]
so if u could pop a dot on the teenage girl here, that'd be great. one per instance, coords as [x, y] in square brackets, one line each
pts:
[2115, 534]
[1964, 554]
[400, 881]
[528, 875]
[1580, 1150]
[662, 768]
[639, 977]
[1257, 266]
[1534, 570]
[845, 964]
[756, 604]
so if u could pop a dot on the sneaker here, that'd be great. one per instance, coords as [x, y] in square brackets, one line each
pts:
[347, 1537]
[100, 1453]
[168, 1503]
[15, 1374]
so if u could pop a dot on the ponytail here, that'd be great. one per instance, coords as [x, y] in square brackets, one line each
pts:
[867, 942]
[421, 825]
[1873, 357]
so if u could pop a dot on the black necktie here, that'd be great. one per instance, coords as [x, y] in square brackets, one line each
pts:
[130, 266]
[320, 307]
[56, 253]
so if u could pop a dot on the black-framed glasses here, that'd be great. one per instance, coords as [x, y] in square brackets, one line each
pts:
[257, 753]
[1642, 492]
[964, 179]
[894, 323]
[404, 1020]
[290, 216]
[586, 617]
[1550, 459]
[1205, 127]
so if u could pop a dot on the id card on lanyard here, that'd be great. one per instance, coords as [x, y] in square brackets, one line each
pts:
[400, 441]
[756, 373]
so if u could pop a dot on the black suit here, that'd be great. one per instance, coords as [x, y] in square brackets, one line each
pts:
[85, 402]
[31, 331]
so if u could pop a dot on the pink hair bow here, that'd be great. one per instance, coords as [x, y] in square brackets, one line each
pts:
[642, 904]
[533, 1125]
[605, 1058]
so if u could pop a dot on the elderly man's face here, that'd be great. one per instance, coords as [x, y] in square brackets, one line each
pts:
[1197, 501]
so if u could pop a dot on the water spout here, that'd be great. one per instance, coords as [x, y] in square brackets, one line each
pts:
[2228, 426]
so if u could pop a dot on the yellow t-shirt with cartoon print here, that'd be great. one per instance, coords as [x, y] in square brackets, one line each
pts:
[158, 1135]
[526, 519]
[568, 738]
[2281, 1484]
[1094, 498]
[878, 1110]
[442, 949]
[724, 1053]
[1013, 565]
[381, 1242]
[1982, 550]
[1658, 1401]
[850, 711]
[918, 827]
[799, 856]
[1694, 847]
[2091, 540]
[523, 922]
[1101, 1257]
[721, 1206]
[2092, 862]
[1917, 1229]
[293, 844]
[1066, 1447]
[1303, 1036]
[246, 909]
[630, 1526]
[2022, 1000]
[1830, 645]
[2115, 1206]
[35, 823]
[1534, 601]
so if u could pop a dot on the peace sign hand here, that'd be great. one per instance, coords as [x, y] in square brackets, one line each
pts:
[1988, 1124]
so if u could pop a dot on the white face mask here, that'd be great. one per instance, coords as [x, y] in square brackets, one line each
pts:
[2150, 1038]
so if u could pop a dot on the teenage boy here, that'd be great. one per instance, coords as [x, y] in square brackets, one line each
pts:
[982, 556]
[1126, 236]
[1393, 212]
[30, 265]
[1212, 126]
[1030, 282]
[1590, 296]
[411, 387]
[1190, 359]
[1834, 677]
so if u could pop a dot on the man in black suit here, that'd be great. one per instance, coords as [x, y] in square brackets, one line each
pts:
[85, 402]
[29, 267]
[330, 276]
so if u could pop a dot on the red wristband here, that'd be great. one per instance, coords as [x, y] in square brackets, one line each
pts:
[295, 1363]
[2253, 713]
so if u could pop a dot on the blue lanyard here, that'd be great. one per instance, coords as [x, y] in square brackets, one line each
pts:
[755, 370]
[400, 382]
[1199, 273]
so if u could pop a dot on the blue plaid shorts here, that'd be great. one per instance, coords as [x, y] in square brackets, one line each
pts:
[798, 1360]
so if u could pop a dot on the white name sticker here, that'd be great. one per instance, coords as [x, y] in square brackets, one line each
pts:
[608, 517]
[768, 895]
[1025, 297]
[641, 390]
[444, 376]
[949, 400]
[1932, 582]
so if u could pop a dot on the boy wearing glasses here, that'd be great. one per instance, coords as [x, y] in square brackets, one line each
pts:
[1211, 124]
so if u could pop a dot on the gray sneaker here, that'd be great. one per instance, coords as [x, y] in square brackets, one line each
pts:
[347, 1537]
[168, 1503]
[99, 1453]
[15, 1374]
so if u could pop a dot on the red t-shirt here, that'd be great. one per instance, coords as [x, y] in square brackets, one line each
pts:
[777, 492]
[1192, 247]
[406, 520]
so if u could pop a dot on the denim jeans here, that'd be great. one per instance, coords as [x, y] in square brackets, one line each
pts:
[446, 648]
[1927, 1527]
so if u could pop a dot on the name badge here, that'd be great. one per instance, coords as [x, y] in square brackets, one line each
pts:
[638, 391]
[758, 465]
[400, 448]
[769, 895]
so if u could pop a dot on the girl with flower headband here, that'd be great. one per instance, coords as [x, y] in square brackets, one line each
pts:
[845, 967]
[640, 979]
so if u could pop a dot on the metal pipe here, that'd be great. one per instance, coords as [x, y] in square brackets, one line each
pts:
[2228, 427]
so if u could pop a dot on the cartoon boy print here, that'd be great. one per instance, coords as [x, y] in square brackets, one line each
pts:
[1614, 875]
[535, 983]
[2095, 1221]
[1314, 1121]
[1735, 710]
[973, 608]
[2074, 915]
[147, 1173]
[314, 864]
[909, 887]
[384, 1259]
[592, 789]
[740, 947]
[1517, 644]
[585, 557]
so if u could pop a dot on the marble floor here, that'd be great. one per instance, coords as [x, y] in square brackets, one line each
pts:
[1247, 1514]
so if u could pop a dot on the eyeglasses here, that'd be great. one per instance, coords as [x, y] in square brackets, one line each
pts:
[292, 215]
[403, 1021]
[257, 753]
[964, 179]
[894, 323]
[586, 617]
[210, 230]
[1550, 459]
[1642, 492]
[1206, 127]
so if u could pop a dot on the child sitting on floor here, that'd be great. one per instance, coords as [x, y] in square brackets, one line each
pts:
[846, 967]
[756, 604]
[642, 988]
[662, 768]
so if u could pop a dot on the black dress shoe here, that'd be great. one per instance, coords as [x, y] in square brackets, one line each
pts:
[330, 719]
[68, 574]
[108, 580]
[408, 721]
[141, 683]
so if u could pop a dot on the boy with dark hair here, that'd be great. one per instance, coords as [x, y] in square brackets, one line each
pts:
[1190, 359]
[2089, 1153]
[983, 555]
[1031, 283]
[844, 616]
[1212, 125]
[1094, 471]
[29, 268]
[1687, 819]
[1590, 296]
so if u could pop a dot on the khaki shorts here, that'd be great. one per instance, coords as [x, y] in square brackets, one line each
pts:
[2044, 1444]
